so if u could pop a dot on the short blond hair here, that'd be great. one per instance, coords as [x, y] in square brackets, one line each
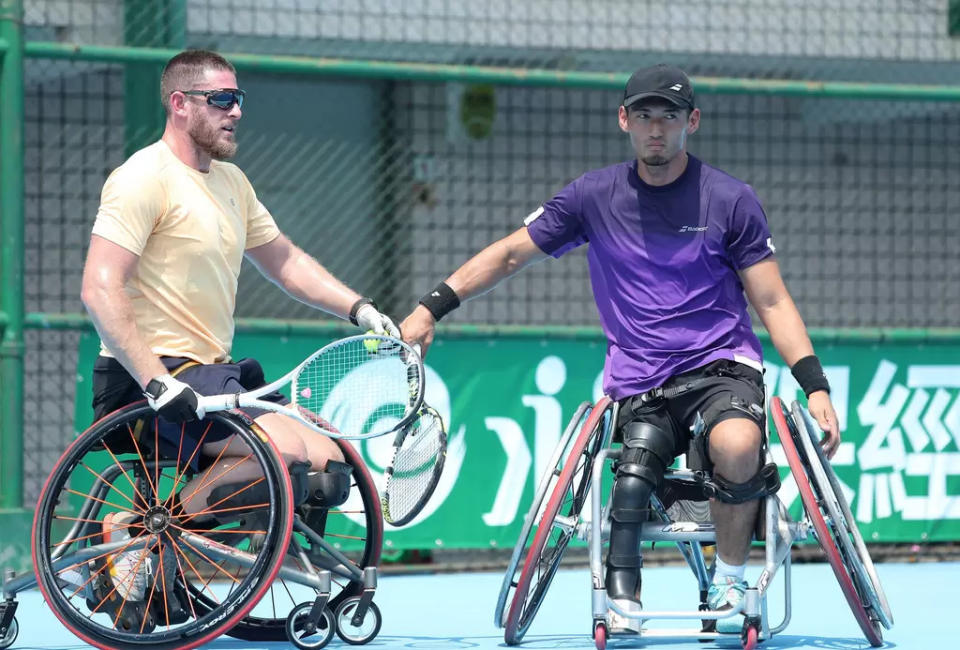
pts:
[186, 69]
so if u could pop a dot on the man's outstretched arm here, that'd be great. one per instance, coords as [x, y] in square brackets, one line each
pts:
[305, 279]
[477, 276]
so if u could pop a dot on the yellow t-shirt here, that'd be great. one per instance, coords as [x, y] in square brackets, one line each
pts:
[190, 230]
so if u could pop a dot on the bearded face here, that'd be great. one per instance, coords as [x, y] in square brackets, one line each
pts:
[213, 131]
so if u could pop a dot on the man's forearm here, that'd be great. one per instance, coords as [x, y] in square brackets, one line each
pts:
[484, 271]
[305, 279]
[112, 315]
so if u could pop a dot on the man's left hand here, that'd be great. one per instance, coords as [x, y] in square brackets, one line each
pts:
[371, 320]
[820, 407]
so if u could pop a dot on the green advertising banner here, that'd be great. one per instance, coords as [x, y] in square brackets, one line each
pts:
[507, 398]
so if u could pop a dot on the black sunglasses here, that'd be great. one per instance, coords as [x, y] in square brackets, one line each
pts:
[222, 98]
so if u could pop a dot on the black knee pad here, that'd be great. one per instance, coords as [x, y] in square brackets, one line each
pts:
[647, 451]
[331, 487]
[764, 483]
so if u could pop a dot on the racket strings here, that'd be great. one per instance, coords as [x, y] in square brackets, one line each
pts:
[362, 386]
[415, 466]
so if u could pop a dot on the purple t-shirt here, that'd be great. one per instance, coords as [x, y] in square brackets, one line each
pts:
[663, 265]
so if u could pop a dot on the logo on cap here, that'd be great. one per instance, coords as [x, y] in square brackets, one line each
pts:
[676, 87]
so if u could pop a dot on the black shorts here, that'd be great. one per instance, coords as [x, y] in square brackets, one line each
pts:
[113, 388]
[722, 390]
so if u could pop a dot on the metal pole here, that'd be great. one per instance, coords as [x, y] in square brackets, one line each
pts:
[403, 71]
[11, 255]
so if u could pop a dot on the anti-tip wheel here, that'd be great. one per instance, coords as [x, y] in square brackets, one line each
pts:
[600, 636]
[357, 634]
[11, 634]
[300, 636]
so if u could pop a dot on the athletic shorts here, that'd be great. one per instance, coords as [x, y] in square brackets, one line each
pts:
[728, 390]
[113, 388]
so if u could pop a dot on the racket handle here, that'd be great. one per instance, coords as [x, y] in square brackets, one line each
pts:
[211, 403]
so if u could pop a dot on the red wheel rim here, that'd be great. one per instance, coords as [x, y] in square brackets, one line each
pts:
[512, 635]
[820, 525]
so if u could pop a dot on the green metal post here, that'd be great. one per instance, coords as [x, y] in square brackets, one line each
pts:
[148, 23]
[11, 255]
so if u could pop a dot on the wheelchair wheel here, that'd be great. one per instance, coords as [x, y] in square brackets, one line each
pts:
[112, 547]
[547, 482]
[360, 634]
[831, 528]
[855, 550]
[11, 634]
[356, 529]
[300, 637]
[550, 541]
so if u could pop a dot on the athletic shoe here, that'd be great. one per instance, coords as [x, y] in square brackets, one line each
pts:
[727, 593]
[129, 570]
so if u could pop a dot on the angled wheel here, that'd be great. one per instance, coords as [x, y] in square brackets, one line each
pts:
[113, 548]
[354, 529]
[548, 481]
[856, 555]
[558, 523]
[832, 527]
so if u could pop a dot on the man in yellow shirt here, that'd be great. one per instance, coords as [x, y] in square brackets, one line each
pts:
[160, 284]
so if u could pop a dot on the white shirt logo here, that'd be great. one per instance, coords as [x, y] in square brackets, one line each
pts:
[693, 229]
[773, 249]
[533, 216]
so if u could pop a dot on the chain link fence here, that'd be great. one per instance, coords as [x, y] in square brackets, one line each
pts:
[392, 184]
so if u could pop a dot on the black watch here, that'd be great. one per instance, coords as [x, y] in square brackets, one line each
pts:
[154, 389]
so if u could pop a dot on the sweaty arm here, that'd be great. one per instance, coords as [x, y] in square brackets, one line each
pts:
[107, 269]
[477, 276]
[302, 277]
[769, 296]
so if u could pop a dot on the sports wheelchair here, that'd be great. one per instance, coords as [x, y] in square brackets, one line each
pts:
[679, 513]
[261, 565]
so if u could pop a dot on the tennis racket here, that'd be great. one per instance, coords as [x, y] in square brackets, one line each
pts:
[419, 450]
[371, 374]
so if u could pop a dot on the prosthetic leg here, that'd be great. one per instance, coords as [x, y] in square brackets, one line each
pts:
[647, 452]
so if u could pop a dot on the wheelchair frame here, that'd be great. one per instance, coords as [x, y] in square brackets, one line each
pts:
[356, 619]
[827, 518]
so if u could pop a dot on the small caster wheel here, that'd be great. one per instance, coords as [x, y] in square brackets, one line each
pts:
[11, 634]
[600, 636]
[749, 637]
[303, 636]
[357, 634]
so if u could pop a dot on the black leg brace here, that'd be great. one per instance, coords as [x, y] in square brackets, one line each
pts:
[647, 451]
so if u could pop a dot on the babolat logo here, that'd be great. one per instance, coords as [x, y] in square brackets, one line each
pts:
[693, 229]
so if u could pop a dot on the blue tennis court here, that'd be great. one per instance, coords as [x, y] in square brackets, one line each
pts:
[455, 610]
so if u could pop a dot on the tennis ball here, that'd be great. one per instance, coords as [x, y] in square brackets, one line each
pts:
[371, 345]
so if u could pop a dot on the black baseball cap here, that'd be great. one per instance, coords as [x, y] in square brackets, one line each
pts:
[661, 80]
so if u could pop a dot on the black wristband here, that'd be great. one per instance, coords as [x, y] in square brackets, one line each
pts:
[809, 374]
[441, 301]
[356, 307]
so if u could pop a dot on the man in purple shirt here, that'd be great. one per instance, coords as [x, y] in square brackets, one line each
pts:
[674, 246]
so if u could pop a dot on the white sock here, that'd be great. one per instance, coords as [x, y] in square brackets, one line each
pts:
[732, 570]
